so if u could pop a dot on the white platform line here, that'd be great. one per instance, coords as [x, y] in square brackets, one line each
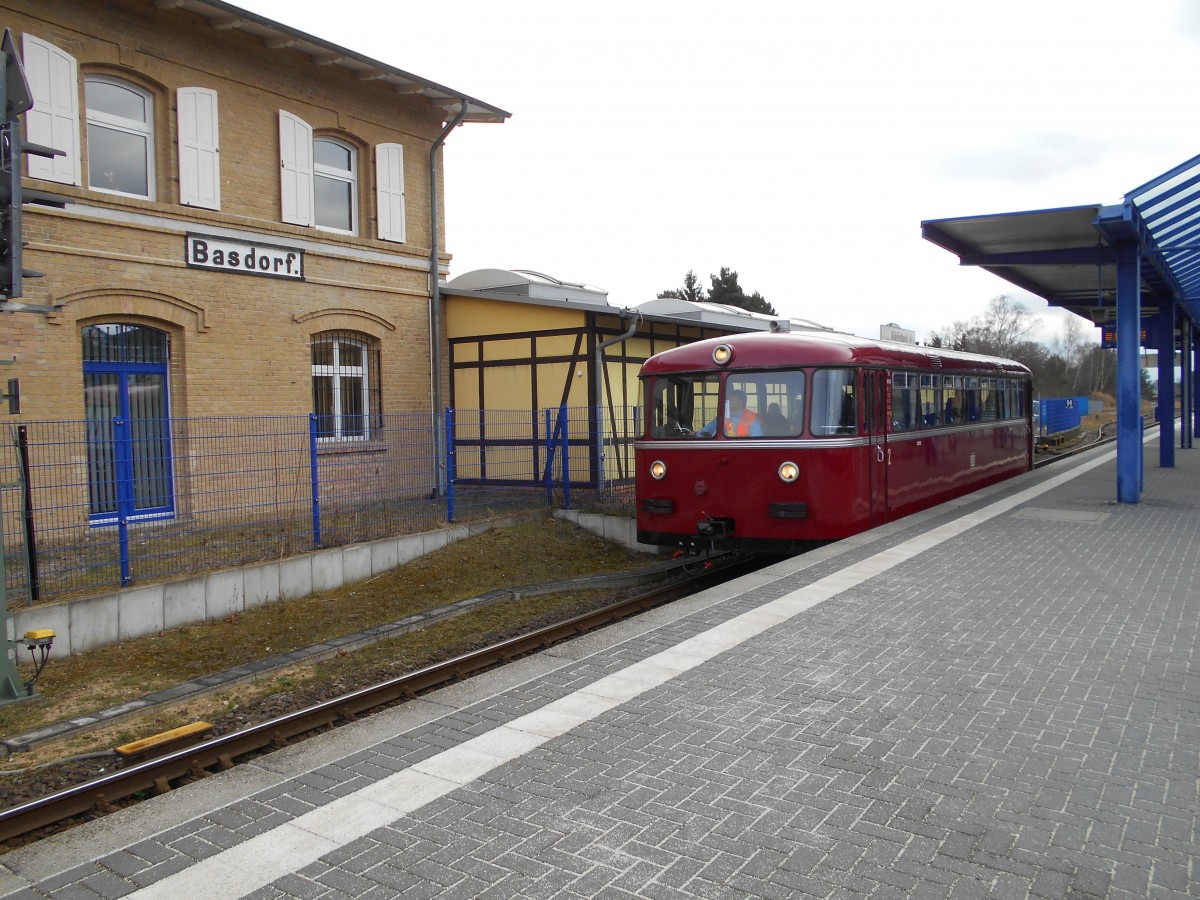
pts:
[269, 856]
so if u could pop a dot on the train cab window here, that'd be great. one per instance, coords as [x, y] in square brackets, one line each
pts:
[904, 401]
[931, 401]
[681, 405]
[834, 406]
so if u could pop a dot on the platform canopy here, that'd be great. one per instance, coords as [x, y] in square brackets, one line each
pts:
[1134, 266]
[1068, 257]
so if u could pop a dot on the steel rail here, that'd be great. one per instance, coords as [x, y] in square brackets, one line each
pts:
[1100, 441]
[100, 795]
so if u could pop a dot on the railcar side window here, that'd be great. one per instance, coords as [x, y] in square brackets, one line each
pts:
[834, 408]
[970, 400]
[931, 401]
[680, 405]
[952, 399]
[905, 409]
[987, 399]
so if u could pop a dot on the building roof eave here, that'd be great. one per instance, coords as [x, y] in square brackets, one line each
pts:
[224, 16]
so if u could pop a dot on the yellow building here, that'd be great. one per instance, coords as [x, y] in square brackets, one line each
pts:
[521, 341]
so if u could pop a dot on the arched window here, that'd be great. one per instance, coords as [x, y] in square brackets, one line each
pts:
[345, 377]
[335, 185]
[128, 424]
[120, 137]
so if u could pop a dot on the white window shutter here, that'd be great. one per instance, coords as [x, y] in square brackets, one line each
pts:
[389, 178]
[296, 169]
[199, 148]
[54, 119]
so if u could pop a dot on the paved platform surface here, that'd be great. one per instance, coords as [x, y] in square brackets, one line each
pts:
[996, 698]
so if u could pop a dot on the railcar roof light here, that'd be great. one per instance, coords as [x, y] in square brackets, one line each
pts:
[722, 354]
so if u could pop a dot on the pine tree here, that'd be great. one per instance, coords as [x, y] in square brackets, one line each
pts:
[726, 290]
[691, 290]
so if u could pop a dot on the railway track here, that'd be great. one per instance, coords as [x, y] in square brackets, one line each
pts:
[38, 818]
[1100, 440]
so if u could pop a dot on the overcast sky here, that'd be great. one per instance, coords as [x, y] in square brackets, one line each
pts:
[799, 143]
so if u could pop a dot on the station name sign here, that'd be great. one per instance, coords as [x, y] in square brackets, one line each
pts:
[206, 251]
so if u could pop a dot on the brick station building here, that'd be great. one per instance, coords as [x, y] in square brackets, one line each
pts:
[248, 225]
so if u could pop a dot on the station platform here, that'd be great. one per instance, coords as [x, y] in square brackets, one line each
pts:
[999, 697]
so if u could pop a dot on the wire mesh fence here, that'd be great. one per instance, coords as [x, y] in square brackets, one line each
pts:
[90, 506]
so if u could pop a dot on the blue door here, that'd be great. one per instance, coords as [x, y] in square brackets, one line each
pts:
[128, 423]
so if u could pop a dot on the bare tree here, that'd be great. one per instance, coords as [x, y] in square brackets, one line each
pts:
[1000, 330]
[1005, 325]
[1069, 344]
[1098, 368]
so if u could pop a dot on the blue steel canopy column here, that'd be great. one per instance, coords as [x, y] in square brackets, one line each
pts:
[1129, 376]
[1164, 330]
[1185, 385]
[1195, 382]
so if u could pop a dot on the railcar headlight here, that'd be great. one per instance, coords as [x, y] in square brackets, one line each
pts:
[788, 472]
[722, 354]
[658, 470]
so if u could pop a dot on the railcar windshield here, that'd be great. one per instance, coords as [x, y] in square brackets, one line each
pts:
[680, 405]
[752, 405]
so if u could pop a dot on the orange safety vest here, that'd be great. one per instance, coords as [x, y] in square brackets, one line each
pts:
[742, 427]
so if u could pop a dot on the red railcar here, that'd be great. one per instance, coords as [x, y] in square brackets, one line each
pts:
[839, 434]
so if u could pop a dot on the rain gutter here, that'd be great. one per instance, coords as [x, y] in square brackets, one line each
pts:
[435, 301]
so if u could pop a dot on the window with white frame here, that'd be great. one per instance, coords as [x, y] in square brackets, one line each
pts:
[345, 379]
[319, 181]
[335, 185]
[120, 137]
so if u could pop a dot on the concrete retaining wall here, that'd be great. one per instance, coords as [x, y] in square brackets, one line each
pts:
[90, 622]
[87, 623]
[619, 530]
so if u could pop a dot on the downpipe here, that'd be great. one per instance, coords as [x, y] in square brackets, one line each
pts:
[435, 303]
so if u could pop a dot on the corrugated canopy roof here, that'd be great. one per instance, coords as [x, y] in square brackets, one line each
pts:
[1169, 210]
[1067, 256]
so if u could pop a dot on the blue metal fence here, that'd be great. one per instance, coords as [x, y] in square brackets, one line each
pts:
[247, 489]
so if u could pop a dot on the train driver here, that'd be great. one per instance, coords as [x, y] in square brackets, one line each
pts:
[739, 421]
